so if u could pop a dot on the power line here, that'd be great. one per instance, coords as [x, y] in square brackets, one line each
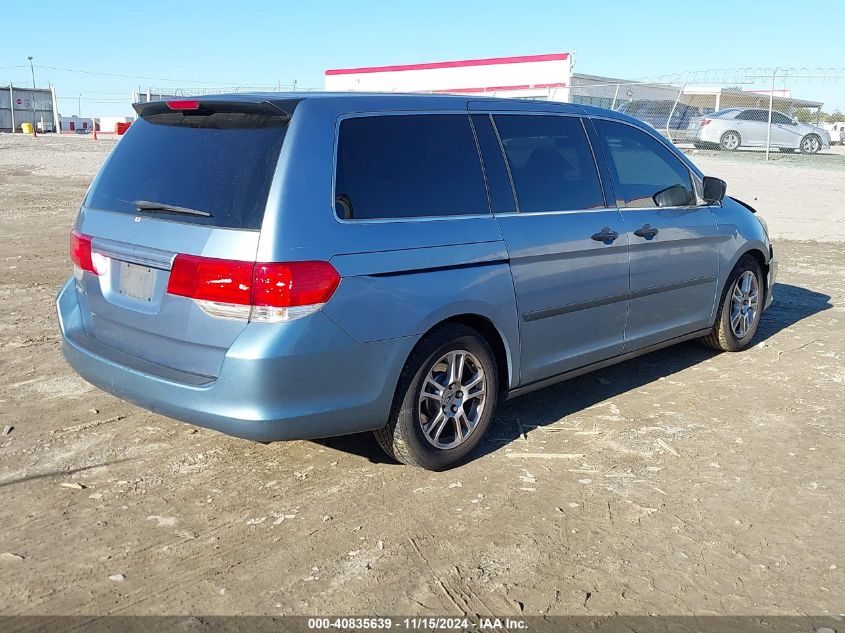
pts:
[121, 76]
[86, 100]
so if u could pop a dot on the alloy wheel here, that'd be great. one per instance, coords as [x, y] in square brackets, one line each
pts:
[745, 303]
[452, 399]
[810, 145]
[730, 141]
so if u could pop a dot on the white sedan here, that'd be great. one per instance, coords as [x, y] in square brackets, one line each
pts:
[737, 127]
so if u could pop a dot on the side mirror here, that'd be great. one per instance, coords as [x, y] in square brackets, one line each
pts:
[714, 189]
[674, 196]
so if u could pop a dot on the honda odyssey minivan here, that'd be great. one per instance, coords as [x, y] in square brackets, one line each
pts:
[299, 266]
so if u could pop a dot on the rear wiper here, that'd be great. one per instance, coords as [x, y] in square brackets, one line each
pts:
[146, 205]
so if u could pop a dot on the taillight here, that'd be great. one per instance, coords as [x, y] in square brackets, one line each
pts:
[183, 104]
[210, 279]
[271, 292]
[293, 284]
[82, 255]
[705, 122]
[284, 292]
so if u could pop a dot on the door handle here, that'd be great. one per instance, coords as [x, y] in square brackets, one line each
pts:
[648, 231]
[606, 235]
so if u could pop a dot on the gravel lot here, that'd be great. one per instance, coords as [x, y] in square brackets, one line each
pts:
[683, 482]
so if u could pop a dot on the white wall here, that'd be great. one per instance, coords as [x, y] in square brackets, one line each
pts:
[545, 76]
[109, 123]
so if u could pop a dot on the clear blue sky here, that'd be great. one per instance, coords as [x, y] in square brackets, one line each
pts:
[262, 43]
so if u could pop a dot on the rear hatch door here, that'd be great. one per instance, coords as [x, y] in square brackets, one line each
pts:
[189, 177]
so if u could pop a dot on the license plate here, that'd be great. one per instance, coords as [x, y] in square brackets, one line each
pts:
[136, 281]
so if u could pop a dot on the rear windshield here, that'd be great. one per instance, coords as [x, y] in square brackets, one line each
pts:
[219, 164]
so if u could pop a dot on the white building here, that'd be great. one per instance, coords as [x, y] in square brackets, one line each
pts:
[550, 77]
[526, 76]
[73, 123]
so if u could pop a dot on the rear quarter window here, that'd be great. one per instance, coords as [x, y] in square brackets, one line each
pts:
[221, 164]
[404, 166]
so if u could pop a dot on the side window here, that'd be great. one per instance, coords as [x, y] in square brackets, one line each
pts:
[495, 170]
[551, 162]
[403, 166]
[758, 116]
[779, 119]
[643, 168]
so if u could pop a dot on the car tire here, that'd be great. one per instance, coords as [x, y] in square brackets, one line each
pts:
[411, 435]
[744, 292]
[730, 141]
[810, 144]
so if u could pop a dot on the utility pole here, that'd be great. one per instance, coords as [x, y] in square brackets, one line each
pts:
[32, 70]
[769, 127]
[12, 105]
[57, 121]
[79, 107]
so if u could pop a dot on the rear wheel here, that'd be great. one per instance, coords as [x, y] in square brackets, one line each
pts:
[730, 141]
[444, 401]
[740, 308]
[810, 144]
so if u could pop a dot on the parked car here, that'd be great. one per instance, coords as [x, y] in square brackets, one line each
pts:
[284, 266]
[733, 128]
[82, 130]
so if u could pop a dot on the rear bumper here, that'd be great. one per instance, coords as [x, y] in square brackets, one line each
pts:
[705, 135]
[300, 380]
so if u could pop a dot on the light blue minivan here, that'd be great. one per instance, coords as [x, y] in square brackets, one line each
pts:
[287, 266]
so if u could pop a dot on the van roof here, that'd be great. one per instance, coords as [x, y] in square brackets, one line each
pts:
[395, 99]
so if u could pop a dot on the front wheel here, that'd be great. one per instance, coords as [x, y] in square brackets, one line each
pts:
[444, 400]
[810, 144]
[740, 308]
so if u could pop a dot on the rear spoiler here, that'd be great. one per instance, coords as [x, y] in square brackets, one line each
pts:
[199, 106]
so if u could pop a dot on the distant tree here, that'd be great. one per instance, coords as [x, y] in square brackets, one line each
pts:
[806, 115]
[836, 116]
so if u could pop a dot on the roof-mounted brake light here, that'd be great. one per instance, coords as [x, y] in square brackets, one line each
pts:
[183, 104]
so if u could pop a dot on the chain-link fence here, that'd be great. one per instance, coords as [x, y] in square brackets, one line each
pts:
[157, 94]
[760, 111]
[731, 110]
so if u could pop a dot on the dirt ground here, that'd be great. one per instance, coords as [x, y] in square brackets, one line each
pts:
[681, 482]
[802, 197]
